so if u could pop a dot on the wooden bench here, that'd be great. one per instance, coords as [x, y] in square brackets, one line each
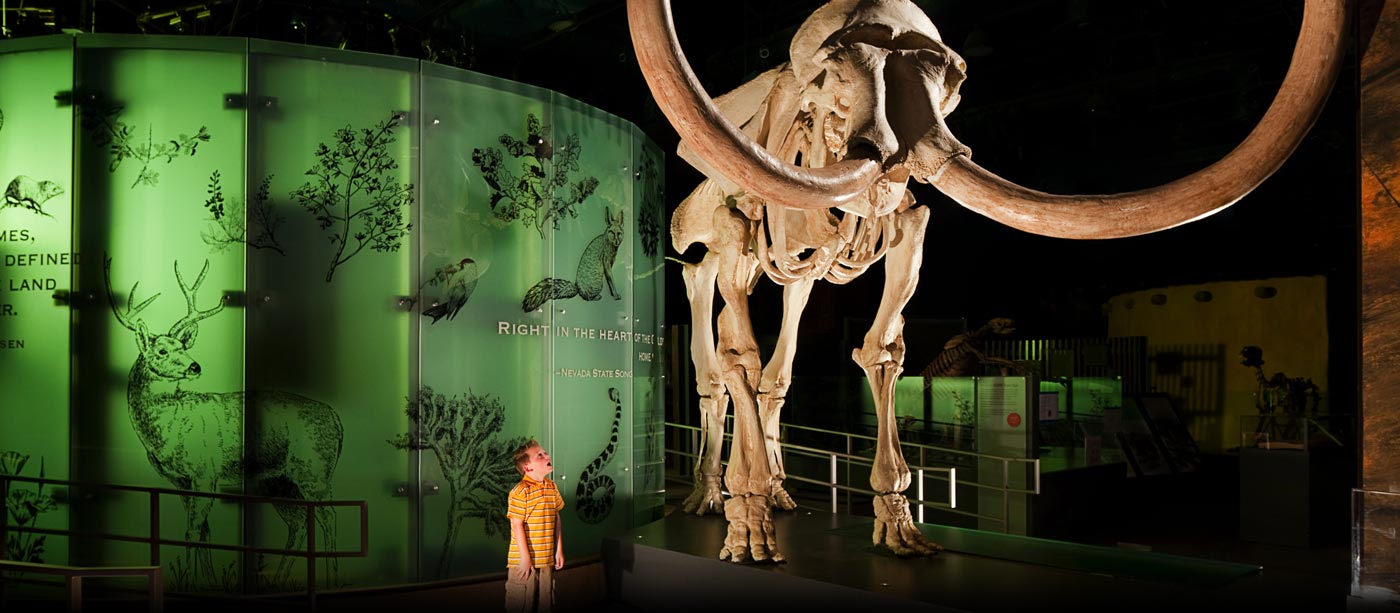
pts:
[74, 575]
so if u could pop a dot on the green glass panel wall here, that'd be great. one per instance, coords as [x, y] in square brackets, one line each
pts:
[648, 328]
[36, 259]
[159, 387]
[307, 275]
[482, 244]
[590, 306]
[329, 329]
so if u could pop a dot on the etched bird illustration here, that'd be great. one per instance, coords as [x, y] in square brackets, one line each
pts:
[458, 282]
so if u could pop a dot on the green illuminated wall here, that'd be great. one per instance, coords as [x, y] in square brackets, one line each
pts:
[247, 267]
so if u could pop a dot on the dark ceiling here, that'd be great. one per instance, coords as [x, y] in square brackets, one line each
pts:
[1062, 95]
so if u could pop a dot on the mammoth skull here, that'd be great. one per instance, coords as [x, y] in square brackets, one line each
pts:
[873, 78]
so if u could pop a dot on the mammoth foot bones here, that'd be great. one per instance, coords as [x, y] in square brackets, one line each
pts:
[895, 529]
[751, 535]
[707, 498]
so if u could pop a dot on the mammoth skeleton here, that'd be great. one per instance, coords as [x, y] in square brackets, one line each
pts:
[807, 170]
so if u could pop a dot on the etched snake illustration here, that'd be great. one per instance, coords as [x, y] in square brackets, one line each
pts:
[595, 494]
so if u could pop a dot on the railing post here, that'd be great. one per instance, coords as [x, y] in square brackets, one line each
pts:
[155, 528]
[157, 594]
[920, 489]
[849, 454]
[311, 555]
[953, 487]
[1006, 496]
[4, 519]
[75, 593]
[833, 483]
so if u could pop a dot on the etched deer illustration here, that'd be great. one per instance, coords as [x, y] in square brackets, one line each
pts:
[195, 440]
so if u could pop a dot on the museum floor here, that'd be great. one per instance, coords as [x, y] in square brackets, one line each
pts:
[1174, 544]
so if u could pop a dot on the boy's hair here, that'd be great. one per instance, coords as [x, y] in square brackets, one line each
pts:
[522, 455]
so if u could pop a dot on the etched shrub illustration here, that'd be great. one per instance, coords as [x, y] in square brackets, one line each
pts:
[354, 194]
[230, 220]
[463, 433]
[25, 503]
[124, 142]
[541, 193]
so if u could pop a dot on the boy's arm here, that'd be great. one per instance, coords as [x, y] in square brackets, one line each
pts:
[558, 542]
[527, 558]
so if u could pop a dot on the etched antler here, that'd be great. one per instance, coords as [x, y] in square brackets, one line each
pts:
[193, 314]
[124, 318]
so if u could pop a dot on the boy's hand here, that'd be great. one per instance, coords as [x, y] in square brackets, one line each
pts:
[558, 559]
[523, 570]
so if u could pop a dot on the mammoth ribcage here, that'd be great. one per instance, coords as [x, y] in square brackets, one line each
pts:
[825, 246]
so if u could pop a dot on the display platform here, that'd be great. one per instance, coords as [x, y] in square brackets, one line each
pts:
[672, 564]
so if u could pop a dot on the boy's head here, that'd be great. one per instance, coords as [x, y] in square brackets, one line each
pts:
[531, 459]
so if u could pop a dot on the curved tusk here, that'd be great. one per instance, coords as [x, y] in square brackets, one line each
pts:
[1317, 58]
[718, 142]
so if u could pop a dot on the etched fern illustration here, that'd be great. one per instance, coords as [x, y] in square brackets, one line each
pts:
[24, 506]
[463, 433]
[230, 222]
[541, 194]
[123, 142]
[354, 195]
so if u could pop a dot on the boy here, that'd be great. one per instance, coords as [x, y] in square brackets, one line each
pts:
[536, 541]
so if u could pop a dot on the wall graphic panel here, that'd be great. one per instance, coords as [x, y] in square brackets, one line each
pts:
[317, 276]
[591, 315]
[648, 329]
[36, 259]
[329, 320]
[159, 350]
[480, 246]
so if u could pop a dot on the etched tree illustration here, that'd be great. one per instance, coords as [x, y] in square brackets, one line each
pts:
[649, 216]
[354, 194]
[462, 432]
[106, 129]
[24, 506]
[230, 222]
[541, 193]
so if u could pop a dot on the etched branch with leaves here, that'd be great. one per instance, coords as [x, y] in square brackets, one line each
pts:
[105, 128]
[652, 196]
[24, 506]
[537, 196]
[462, 432]
[353, 194]
[230, 225]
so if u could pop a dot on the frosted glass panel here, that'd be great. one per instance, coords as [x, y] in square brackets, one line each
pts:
[36, 260]
[160, 166]
[329, 318]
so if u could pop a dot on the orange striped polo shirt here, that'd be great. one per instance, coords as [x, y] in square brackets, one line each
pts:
[538, 504]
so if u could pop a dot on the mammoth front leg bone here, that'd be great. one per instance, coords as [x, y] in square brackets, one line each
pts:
[749, 477]
[714, 402]
[777, 377]
[882, 358]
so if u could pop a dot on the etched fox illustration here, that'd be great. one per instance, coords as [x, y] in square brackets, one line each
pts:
[594, 270]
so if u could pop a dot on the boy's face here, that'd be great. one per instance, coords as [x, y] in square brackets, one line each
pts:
[539, 463]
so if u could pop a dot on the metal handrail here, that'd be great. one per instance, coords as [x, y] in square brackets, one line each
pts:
[920, 469]
[73, 578]
[153, 538]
